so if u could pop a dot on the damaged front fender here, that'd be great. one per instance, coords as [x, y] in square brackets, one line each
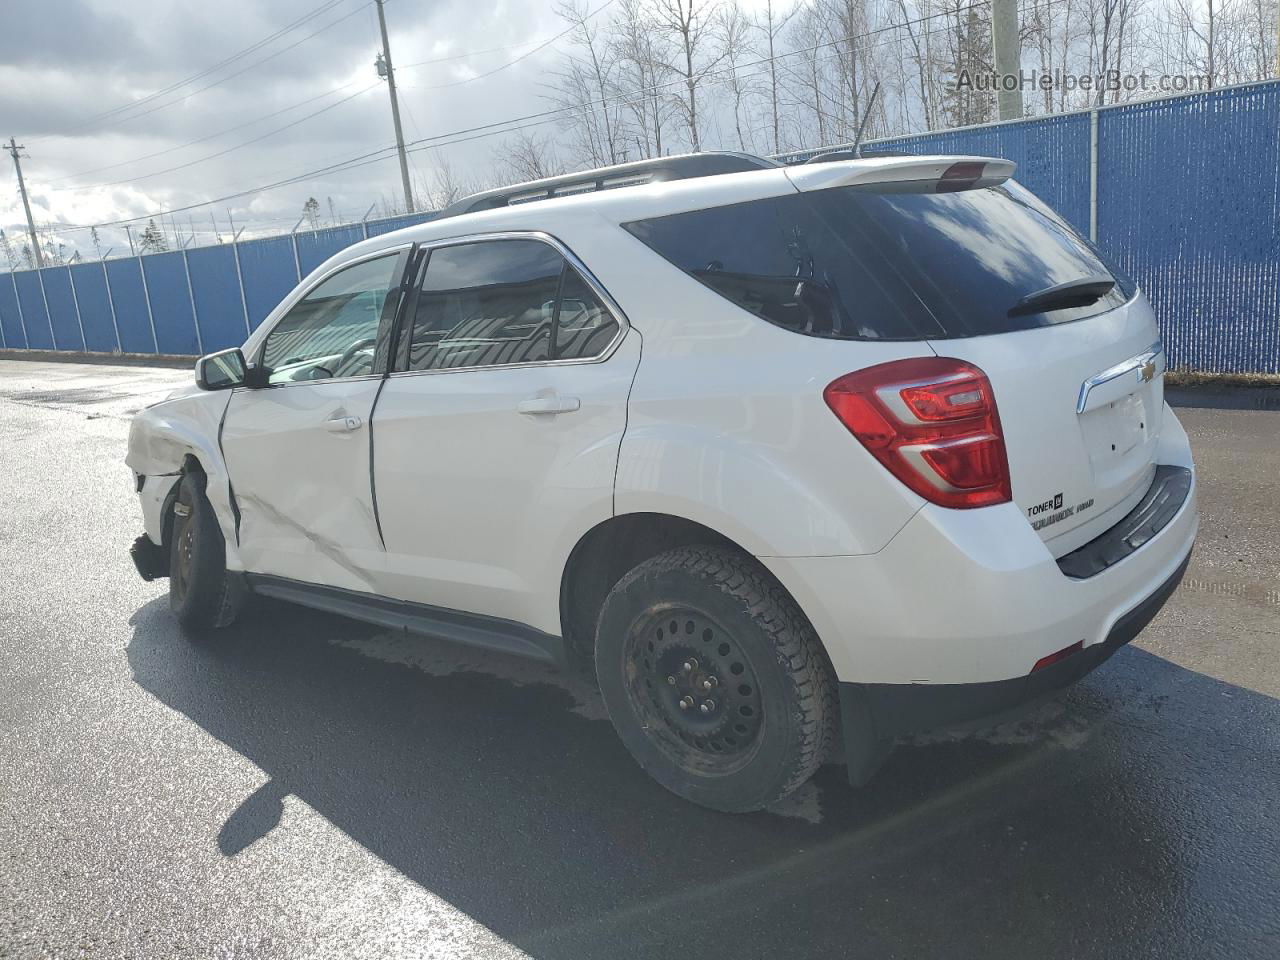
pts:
[169, 438]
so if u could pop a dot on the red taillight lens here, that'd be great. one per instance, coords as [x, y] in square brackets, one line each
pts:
[932, 421]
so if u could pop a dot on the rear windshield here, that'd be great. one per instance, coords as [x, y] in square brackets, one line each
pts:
[899, 262]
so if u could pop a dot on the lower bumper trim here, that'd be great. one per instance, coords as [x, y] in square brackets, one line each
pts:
[150, 559]
[874, 715]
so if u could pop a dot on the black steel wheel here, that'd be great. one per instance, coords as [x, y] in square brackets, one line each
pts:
[714, 679]
[693, 687]
[202, 595]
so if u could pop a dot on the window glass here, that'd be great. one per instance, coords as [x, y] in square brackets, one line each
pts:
[333, 330]
[584, 326]
[486, 304]
[895, 262]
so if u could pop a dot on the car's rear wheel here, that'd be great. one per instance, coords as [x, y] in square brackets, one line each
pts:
[714, 679]
[201, 593]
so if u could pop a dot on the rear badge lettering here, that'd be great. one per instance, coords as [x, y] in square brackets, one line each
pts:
[1053, 503]
[1060, 513]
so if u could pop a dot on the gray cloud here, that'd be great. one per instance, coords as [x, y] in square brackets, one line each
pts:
[64, 63]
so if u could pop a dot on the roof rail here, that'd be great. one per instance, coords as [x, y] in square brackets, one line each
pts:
[683, 167]
[835, 155]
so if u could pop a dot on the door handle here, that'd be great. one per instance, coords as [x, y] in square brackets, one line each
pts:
[343, 424]
[549, 405]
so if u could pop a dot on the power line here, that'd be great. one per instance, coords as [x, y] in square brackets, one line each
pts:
[537, 119]
[323, 8]
[542, 45]
[242, 70]
[206, 138]
[524, 56]
[224, 152]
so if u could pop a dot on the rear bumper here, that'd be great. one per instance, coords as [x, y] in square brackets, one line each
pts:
[888, 711]
[975, 596]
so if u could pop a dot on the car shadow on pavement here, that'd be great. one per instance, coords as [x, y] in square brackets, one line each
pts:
[506, 793]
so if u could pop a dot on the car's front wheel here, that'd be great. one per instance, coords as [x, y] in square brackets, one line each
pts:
[202, 594]
[714, 679]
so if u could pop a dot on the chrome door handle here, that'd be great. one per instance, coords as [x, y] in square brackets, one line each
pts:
[343, 424]
[549, 405]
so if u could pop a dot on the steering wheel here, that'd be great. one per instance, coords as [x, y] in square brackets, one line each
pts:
[349, 354]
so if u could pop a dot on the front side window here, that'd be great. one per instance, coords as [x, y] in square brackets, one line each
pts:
[502, 302]
[333, 331]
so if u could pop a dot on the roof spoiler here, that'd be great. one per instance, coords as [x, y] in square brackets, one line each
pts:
[948, 173]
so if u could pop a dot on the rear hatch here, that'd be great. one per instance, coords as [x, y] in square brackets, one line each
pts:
[949, 252]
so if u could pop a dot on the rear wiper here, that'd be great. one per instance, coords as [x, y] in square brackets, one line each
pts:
[1073, 293]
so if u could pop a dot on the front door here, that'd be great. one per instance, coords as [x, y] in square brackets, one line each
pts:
[497, 442]
[298, 450]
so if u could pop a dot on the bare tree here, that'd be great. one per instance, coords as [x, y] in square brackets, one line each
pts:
[770, 23]
[589, 87]
[526, 156]
[733, 34]
[687, 26]
[641, 51]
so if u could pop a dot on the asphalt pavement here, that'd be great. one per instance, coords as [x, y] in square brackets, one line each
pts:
[309, 786]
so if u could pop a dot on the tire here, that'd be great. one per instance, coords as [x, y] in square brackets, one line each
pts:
[706, 625]
[202, 595]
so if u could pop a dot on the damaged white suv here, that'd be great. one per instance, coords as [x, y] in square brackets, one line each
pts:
[802, 459]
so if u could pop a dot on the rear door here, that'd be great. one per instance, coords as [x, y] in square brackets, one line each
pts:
[297, 449]
[496, 442]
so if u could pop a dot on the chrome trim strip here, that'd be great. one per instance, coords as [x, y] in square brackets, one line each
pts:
[1153, 354]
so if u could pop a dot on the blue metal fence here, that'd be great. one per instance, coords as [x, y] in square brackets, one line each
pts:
[1184, 193]
[184, 302]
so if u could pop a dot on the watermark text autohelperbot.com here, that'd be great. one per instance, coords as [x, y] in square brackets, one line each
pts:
[1108, 81]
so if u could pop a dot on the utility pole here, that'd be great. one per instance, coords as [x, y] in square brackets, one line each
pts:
[13, 149]
[385, 63]
[1007, 52]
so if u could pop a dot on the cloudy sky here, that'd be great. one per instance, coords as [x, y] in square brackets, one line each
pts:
[78, 80]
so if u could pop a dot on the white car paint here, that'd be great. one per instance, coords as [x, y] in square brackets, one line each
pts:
[701, 411]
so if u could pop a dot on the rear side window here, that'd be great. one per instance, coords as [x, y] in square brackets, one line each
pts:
[889, 264]
[486, 304]
[584, 326]
[501, 302]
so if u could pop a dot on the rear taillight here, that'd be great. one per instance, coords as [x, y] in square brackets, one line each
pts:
[932, 421]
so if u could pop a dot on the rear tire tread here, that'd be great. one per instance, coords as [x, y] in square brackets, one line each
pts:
[795, 644]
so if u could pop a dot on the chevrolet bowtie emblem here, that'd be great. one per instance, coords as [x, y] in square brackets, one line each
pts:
[1148, 371]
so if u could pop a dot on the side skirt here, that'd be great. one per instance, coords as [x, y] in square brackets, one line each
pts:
[471, 629]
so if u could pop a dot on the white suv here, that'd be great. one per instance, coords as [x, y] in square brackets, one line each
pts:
[802, 459]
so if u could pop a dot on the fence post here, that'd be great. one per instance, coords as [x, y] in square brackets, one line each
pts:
[22, 320]
[191, 294]
[111, 302]
[75, 299]
[1093, 175]
[244, 303]
[297, 263]
[146, 293]
[47, 315]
